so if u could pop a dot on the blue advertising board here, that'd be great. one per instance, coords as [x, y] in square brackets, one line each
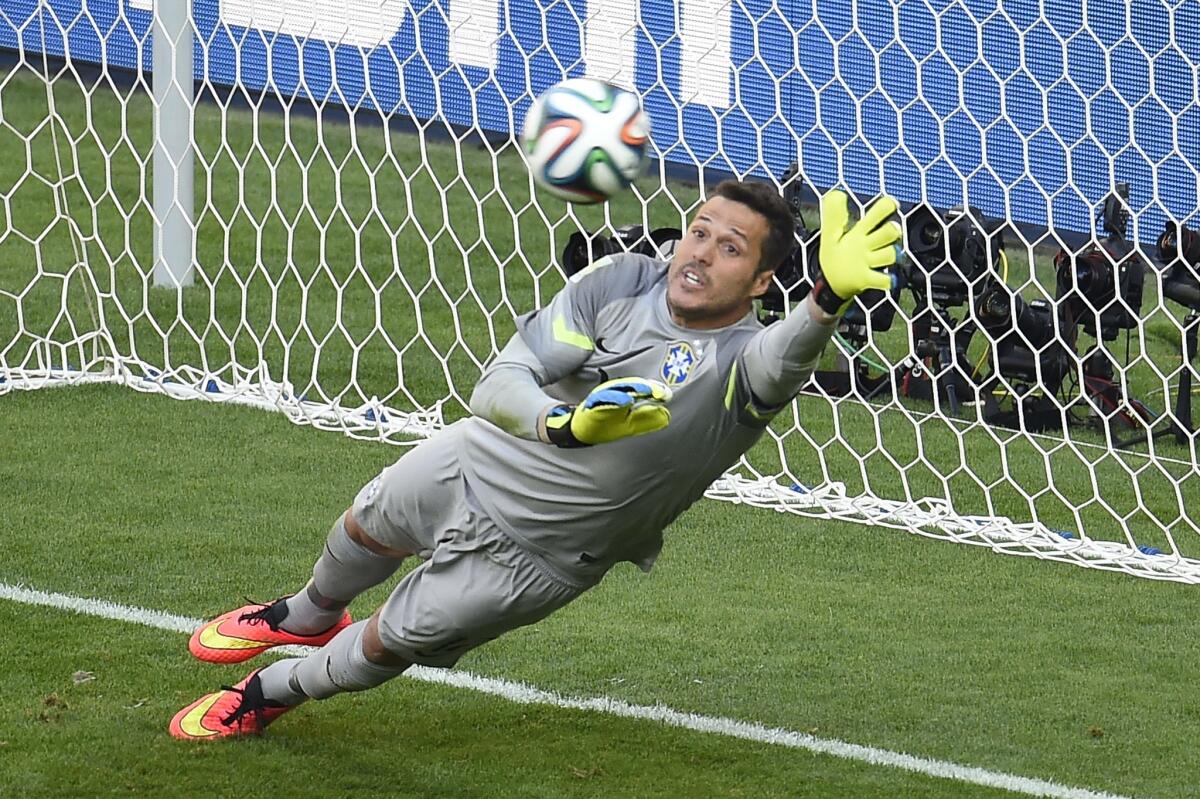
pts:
[1028, 110]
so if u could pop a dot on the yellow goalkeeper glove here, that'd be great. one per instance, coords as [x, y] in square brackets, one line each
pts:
[854, 260]
[616, 409]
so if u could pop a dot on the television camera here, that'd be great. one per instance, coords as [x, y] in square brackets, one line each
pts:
[1099, 289]
[953, 258]
[1179, 252]
[1100, 286]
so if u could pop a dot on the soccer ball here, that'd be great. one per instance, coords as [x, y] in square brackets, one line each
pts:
[585, 140]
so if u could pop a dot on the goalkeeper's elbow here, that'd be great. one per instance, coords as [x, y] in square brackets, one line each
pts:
[511, 405]
[481, 396]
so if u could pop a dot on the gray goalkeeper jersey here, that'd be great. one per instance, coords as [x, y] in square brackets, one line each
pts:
[586, 509]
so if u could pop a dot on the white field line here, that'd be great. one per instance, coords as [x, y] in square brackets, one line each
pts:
[526, 694]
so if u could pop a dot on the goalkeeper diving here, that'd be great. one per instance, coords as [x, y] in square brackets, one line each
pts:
[607, 414]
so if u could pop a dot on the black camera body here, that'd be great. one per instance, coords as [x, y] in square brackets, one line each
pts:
[951, 254]
[1179, 249]
[1100, 287]
[1003, 312]
[1025, 336]
[584, 249]
[952, 257]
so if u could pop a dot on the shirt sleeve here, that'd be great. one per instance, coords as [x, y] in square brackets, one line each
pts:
[779, 360]
[550, 344]
[561, 336]
[509, 395]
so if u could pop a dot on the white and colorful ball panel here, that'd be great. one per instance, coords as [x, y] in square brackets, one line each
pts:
[585, 140]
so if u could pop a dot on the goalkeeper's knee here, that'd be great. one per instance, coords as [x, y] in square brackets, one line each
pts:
[347, 568]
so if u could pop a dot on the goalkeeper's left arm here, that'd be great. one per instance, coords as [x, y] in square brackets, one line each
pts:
[509, 394]
[555, 342]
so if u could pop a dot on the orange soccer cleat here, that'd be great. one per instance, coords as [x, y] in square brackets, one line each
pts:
[233, 711]
[251, 630]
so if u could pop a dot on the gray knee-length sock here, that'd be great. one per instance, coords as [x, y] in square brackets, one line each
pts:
[335, 668]
[345, 569]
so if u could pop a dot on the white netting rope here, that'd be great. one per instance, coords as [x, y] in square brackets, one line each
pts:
[931, 517]
[356, 280]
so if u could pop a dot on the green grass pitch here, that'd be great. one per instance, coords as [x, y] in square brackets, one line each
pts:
[863, 635]
[872, 637]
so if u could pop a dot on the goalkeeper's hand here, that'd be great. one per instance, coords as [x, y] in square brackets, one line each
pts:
[615, 409]
[855, 259]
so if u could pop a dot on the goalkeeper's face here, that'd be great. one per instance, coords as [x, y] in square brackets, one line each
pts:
[714, 276]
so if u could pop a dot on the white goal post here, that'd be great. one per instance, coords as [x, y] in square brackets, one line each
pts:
[341, 228]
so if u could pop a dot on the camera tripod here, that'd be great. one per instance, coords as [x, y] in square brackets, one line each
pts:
[1031, 406]
[1181, 425]
[936, 369]
[852, 373]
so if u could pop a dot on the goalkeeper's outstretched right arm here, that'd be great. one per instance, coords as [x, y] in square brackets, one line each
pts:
[779, 360]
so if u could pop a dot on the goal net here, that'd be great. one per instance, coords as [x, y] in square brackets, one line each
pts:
[319, 208]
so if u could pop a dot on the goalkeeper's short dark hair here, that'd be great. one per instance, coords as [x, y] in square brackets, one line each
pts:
[765, 199]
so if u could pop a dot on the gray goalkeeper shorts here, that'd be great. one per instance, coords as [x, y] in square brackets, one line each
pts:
[475, 583]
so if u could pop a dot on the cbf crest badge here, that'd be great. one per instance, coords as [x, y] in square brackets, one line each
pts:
[678, 364]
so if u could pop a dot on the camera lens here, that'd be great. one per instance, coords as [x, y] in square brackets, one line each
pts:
[1083, 276]
[993, 307]
[1094, 276]
[931, 233]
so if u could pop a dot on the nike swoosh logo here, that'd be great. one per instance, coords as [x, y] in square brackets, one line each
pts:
[600, 346]
[630, 354]
[192, 724]
[212, 637]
